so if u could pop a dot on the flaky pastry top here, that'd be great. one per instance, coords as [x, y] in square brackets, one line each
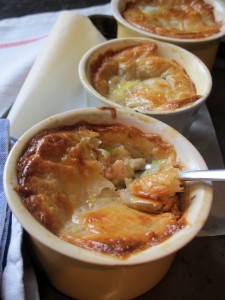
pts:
[182, 19]
[137, 77]
[77, 182]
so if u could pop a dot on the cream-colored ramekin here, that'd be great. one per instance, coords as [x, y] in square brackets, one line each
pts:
[204, 48]
[84, 274]
[180, 119]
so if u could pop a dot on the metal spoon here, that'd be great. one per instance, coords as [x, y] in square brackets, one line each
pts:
[199, 175]
[203, 175]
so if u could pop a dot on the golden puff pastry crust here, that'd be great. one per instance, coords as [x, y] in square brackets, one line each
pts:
[76, 181]
[183, 19]
[138, 78]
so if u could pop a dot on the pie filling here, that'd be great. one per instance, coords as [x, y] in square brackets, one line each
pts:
[79, 182]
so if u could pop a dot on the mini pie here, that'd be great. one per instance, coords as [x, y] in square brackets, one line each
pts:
[185, 19]
[77, 182]
[137, 77]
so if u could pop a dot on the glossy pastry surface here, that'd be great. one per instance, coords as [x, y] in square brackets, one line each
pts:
[76, 182]
[138, 77]
[185, 19]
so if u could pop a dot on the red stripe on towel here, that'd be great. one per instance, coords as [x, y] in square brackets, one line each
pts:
[21, 43]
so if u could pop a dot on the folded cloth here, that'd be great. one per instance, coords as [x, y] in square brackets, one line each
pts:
[53, 82]
[11, 259]
[21, 40]
[4, 210]
[12, 280]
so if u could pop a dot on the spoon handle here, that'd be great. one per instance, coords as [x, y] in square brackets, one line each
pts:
[202, 175]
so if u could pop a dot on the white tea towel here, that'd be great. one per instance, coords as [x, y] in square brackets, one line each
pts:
[53, 84]
[21, 40]
[12, 281]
